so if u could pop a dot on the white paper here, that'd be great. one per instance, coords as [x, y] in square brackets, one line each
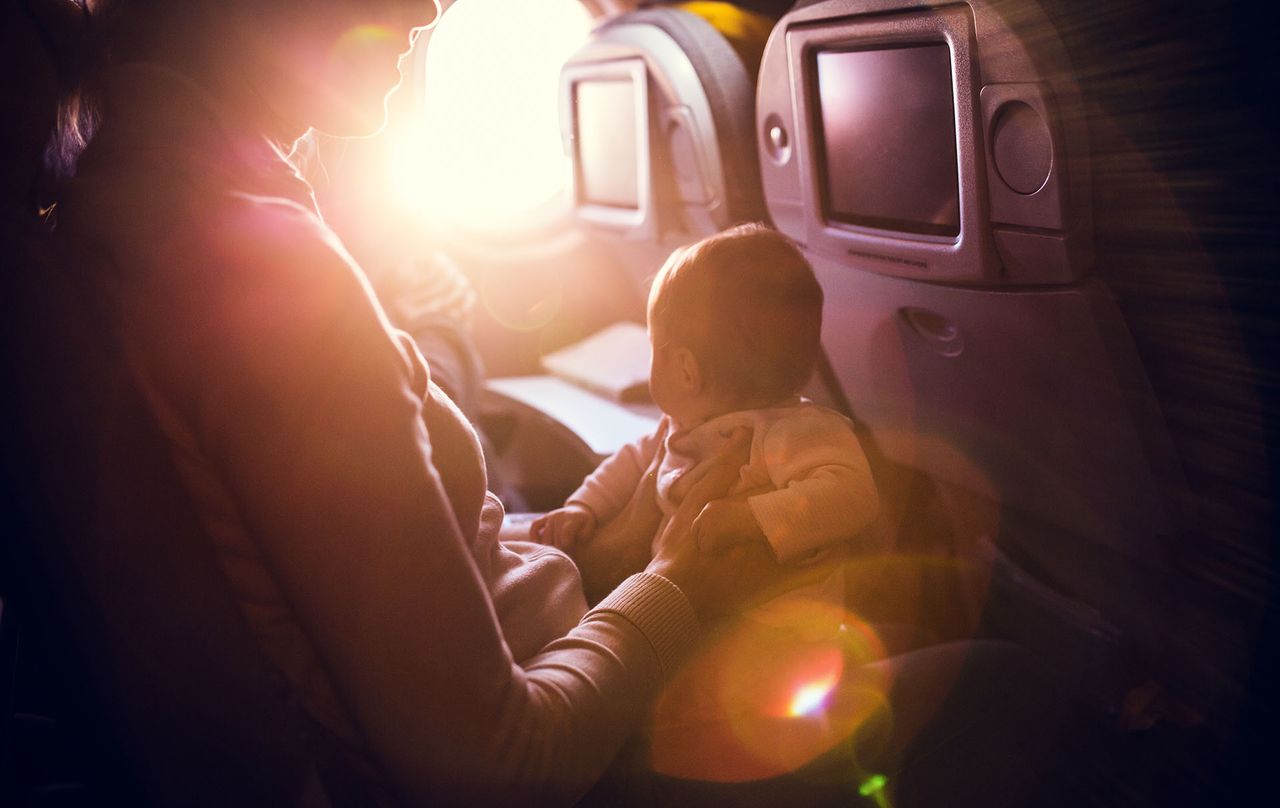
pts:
[614, 362]
[604, 425]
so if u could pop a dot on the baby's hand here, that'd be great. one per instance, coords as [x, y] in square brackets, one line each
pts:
[564, 527]
[726, 523]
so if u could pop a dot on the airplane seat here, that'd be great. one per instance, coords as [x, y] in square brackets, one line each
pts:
[932, 160]
[656, 114]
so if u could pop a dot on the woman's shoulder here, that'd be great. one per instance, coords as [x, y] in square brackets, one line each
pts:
[213, 270]
[151, 222]
[269, 265]
[244, 231]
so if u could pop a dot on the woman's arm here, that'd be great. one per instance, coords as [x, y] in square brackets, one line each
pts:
[310, 413]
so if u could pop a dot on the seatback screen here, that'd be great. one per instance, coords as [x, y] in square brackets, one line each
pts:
[607, 143]
[887, 140]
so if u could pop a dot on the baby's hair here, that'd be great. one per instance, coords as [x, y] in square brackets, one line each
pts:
[746, 303]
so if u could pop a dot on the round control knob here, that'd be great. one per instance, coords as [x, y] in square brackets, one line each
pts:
[777, 143]
[777, 137]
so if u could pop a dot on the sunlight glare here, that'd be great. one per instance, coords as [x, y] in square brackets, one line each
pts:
[488, 145]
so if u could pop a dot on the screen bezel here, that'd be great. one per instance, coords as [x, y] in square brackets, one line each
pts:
[633, 70]
[969, 255]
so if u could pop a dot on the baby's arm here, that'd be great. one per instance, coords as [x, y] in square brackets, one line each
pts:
[823, 490]
[564, 527]
[602, 495]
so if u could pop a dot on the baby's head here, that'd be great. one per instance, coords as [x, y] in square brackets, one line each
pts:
[735, 321]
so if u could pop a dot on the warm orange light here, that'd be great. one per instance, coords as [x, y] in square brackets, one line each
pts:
[763, 699]
[363, 34]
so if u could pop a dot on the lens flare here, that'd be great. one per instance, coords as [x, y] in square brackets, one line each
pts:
[762, 700]
[872, 784]
[810, 697]
[874, 787]
[364, 35]
[520, 307]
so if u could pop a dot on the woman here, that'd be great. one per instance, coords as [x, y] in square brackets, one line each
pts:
[344, 494]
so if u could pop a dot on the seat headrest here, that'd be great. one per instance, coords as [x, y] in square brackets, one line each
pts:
[696, 162]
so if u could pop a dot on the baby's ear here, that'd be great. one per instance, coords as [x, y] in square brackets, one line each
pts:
[690, 371]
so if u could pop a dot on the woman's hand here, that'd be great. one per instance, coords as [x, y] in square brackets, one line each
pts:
[716, 584]
[727, 523]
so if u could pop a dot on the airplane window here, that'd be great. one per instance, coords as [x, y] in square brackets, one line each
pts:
[487, 149]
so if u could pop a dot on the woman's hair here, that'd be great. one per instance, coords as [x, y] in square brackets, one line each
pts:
[746, 303]
[42, 52]
[173, 32]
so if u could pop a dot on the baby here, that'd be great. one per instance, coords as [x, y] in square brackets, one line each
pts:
[734, 324]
